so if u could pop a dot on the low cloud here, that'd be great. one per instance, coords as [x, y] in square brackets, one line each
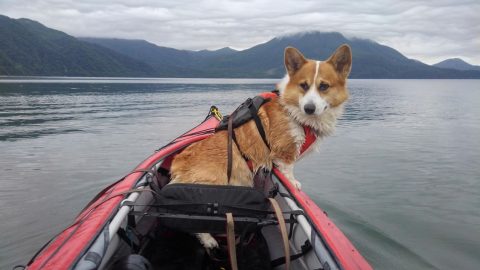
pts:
[429, 31]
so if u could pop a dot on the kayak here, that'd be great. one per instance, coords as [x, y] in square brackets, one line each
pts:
[126, 226]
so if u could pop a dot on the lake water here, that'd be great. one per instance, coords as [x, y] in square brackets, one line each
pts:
[401, 176]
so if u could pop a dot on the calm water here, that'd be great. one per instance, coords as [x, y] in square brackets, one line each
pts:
[401, 177]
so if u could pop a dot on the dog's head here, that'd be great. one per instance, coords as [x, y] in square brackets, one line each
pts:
[312, 88]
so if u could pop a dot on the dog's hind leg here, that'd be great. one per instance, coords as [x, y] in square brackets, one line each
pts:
[207, 240]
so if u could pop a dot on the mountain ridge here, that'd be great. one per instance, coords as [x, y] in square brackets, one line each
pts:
[28, 47]
[370, 59]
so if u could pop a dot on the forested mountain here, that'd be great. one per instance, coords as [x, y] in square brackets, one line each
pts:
[29, 48]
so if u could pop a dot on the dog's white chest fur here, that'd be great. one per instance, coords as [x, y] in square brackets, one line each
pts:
[298, 134]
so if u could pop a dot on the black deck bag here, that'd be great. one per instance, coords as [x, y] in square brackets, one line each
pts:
[202, 208]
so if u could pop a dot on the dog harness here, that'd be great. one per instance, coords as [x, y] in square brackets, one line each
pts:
[247, 111]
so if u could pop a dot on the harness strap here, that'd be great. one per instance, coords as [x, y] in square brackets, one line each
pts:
[305, 248]
[283, 231]
[229, 148]
[259, 125]
[232, 252]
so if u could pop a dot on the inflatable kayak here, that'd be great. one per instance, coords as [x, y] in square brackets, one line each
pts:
[140, 222]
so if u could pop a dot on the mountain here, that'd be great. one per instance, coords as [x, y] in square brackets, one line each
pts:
[220, 52]
[168, 62]
[370, 59]
[29, 48]
[456, 63]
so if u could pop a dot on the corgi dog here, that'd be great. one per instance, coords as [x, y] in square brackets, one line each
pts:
[312, 94]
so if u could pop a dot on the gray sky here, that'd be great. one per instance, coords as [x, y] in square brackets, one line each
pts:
[429, 31]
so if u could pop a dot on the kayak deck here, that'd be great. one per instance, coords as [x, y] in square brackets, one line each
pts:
[166, 247]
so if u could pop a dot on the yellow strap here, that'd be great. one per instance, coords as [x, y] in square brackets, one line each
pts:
[231, 241]
[283, 231]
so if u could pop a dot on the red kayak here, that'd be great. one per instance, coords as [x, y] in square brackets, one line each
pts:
[127, 226]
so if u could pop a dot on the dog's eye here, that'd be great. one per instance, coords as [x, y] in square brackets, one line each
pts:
[323, 86]
[304, 86]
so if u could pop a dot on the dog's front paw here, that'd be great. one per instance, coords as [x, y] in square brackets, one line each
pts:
[297, 184]
[207, 240]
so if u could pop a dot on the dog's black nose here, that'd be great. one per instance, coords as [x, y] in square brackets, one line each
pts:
[309, 108]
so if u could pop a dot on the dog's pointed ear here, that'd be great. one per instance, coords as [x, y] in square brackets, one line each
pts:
[341, 60]
[294, 60]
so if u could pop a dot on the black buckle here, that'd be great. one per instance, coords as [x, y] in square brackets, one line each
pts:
[212, 208]
[273, 191]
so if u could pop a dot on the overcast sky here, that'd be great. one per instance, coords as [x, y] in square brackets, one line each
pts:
[429, 31]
